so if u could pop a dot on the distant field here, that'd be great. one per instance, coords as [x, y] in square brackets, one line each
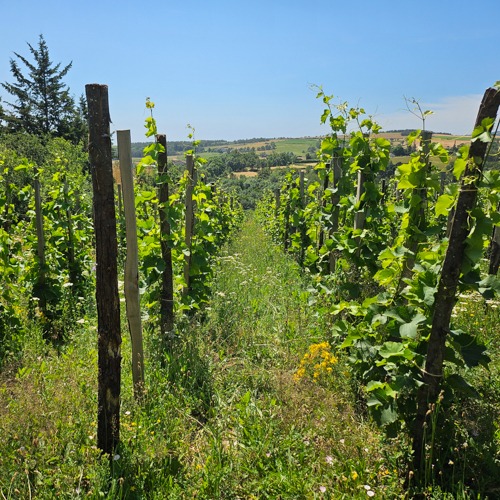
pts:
[299, 146]
[296, 146]
[446, 140]
[301, 166]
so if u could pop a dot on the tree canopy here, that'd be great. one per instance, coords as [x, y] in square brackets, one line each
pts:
[42, 102]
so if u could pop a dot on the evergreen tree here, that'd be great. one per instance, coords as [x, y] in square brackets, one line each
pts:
[43, 104]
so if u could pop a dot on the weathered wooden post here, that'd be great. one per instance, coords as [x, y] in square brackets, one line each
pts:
[417, 214]
[131, 279]
[321, 236]
[422, 191]
[40, 236]
[302, 222]
[383, 188]
[442, 182]
[73, 269]
[334, 227]
[359, 216]
[301, 186]
[120, 203]
[108, 304]
[167, 276]
[495, 251]
[189, 219]
[445, 297]
[286, 217]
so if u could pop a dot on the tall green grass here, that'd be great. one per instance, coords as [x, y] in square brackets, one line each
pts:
[224, 413]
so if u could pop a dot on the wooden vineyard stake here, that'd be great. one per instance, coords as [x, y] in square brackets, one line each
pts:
[108, 304]
[167, 276]
[495, 252]
[189, 219]
[131, 279]
[445, 297]
[418, 211]
[334, 227]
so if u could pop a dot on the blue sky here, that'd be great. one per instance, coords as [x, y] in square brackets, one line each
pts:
[244, 69]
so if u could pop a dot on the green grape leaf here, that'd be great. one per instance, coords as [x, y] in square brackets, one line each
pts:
[459, 167]
[409, 330]
[443, 204]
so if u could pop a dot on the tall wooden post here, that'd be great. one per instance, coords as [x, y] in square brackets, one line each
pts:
[277, 197]
[167, 276]
[337, 174]
[418, 220]
[302, 222]
[445, 297]
[108, 304]
[73, 268]
[359, 216]
[321, 236]
[40, 237]
[189, 219]
[495, 251]
[301, 186]
[131, 281]
[120, 204]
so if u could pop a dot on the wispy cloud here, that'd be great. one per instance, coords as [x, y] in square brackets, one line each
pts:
[455, 114]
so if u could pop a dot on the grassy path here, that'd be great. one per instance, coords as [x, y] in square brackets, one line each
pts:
[268, 435]
[223, 418]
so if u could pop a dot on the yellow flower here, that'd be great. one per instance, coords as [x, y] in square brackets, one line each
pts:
[317, 362]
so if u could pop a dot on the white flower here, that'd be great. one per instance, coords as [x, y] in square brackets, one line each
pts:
[116, 457]
[369, 490]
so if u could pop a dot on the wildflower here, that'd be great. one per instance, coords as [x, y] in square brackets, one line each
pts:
[322, 489]
[384, 471]
[354, 475]
[116, 457]
[317, 362]
[329, 459]
[370, 493]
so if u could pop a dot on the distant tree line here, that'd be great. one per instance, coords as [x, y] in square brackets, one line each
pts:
[206, 146]
[237, 161]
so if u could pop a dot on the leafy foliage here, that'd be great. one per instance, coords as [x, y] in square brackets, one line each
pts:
[387, 254]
